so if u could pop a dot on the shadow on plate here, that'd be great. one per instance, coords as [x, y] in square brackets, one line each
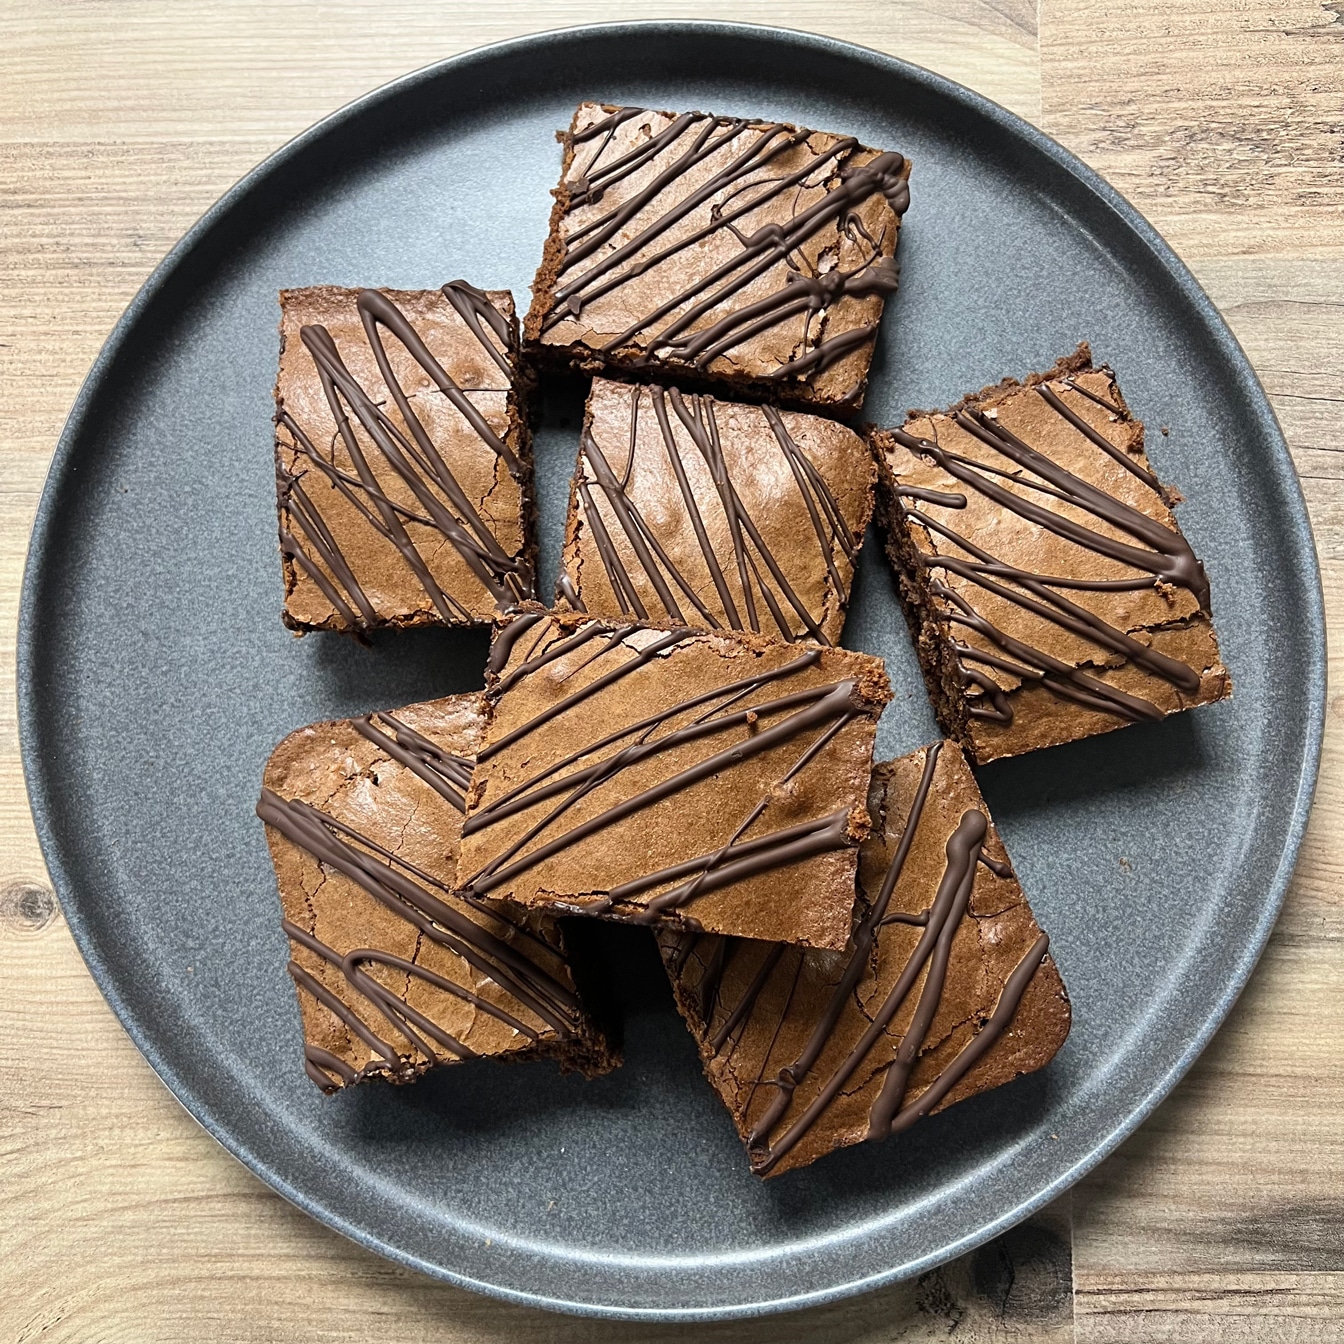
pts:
[397, 667]
[1137, 757]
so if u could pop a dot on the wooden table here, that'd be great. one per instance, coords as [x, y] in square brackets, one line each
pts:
[1222, 120]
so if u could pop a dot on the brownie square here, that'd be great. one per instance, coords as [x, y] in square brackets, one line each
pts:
[752, 254]
[403, 461]
[946, 988]
[395, 971]
[685, 510]
[673, 778]
[1050, 591]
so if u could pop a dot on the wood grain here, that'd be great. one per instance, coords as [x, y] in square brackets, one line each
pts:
[1220, 120]
[1221, 1218]
[120, 123]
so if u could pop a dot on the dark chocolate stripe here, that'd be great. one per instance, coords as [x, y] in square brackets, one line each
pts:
[320, 1065]
[449, 776]
[575, 293]
[1052, 607]
[792, 1074]
[607, 124]
[1166, 556]
[766, 248]
[1014, 989]
[819, 710]
[534, 791]
[945, 914]
[618, 575]
[377, 310]
[839, 700]
[733, 690]
[793, 844]
[616, 497]
[564, 588]
[940, 923]
[508, 635]
[1063, 679]
[748, 999]
[536, 661]
[645, 655]
[529, 983]
[1170, 556]
[693, 509]
[1117, 454]
[963, 856]
[397, 1012]
[417, 460]
[594, 236]
[474, 307]
[697, 415]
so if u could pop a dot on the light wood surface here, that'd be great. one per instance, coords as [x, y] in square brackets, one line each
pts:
[120, 123]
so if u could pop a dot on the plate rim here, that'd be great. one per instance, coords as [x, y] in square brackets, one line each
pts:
[1296, 528]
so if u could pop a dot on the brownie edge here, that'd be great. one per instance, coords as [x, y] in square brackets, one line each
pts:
[946, 988]
[395, 971]
[688, 510]
[673, 777]
[750, 255]
[1048, 586]
[403, 458]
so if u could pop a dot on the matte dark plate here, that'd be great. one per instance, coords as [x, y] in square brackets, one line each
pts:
[155, 676]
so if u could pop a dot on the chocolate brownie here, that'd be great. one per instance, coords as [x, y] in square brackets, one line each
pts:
[395, 971]
[702, 780]
[687, 510]
[1050, 591]
[403, 461]
[727, 250]
[946, 988]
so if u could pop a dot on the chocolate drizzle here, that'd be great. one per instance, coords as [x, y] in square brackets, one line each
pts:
[448, 775]
[750, 552]
[489, 943]
[410, 454]
[683, 329]
[815, 713]
[771, 1138]
[1159, 554]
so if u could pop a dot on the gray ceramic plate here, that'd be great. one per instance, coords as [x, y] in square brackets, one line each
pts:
[155, 676]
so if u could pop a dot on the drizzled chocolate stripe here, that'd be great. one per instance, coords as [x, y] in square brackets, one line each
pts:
[650, 651]
[836, 701]
[368, 865]
[473, 306]
[448, 775]
[1164, 557]
[742, 186]
[769, 1144]
[791, 1075]
[696, 415]
[1014, 989]
[412, 455]
[819, 710]
[535, 789]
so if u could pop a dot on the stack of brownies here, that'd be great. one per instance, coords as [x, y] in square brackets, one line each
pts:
[680, 741]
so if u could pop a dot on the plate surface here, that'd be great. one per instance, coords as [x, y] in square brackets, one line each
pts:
[155, 676]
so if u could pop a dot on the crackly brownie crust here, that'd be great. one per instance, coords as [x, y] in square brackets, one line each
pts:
[673, 778]
[718, 251]
[689, 510]
[945, 990]
[1048, 586]
[395, 972]
[403, 458]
